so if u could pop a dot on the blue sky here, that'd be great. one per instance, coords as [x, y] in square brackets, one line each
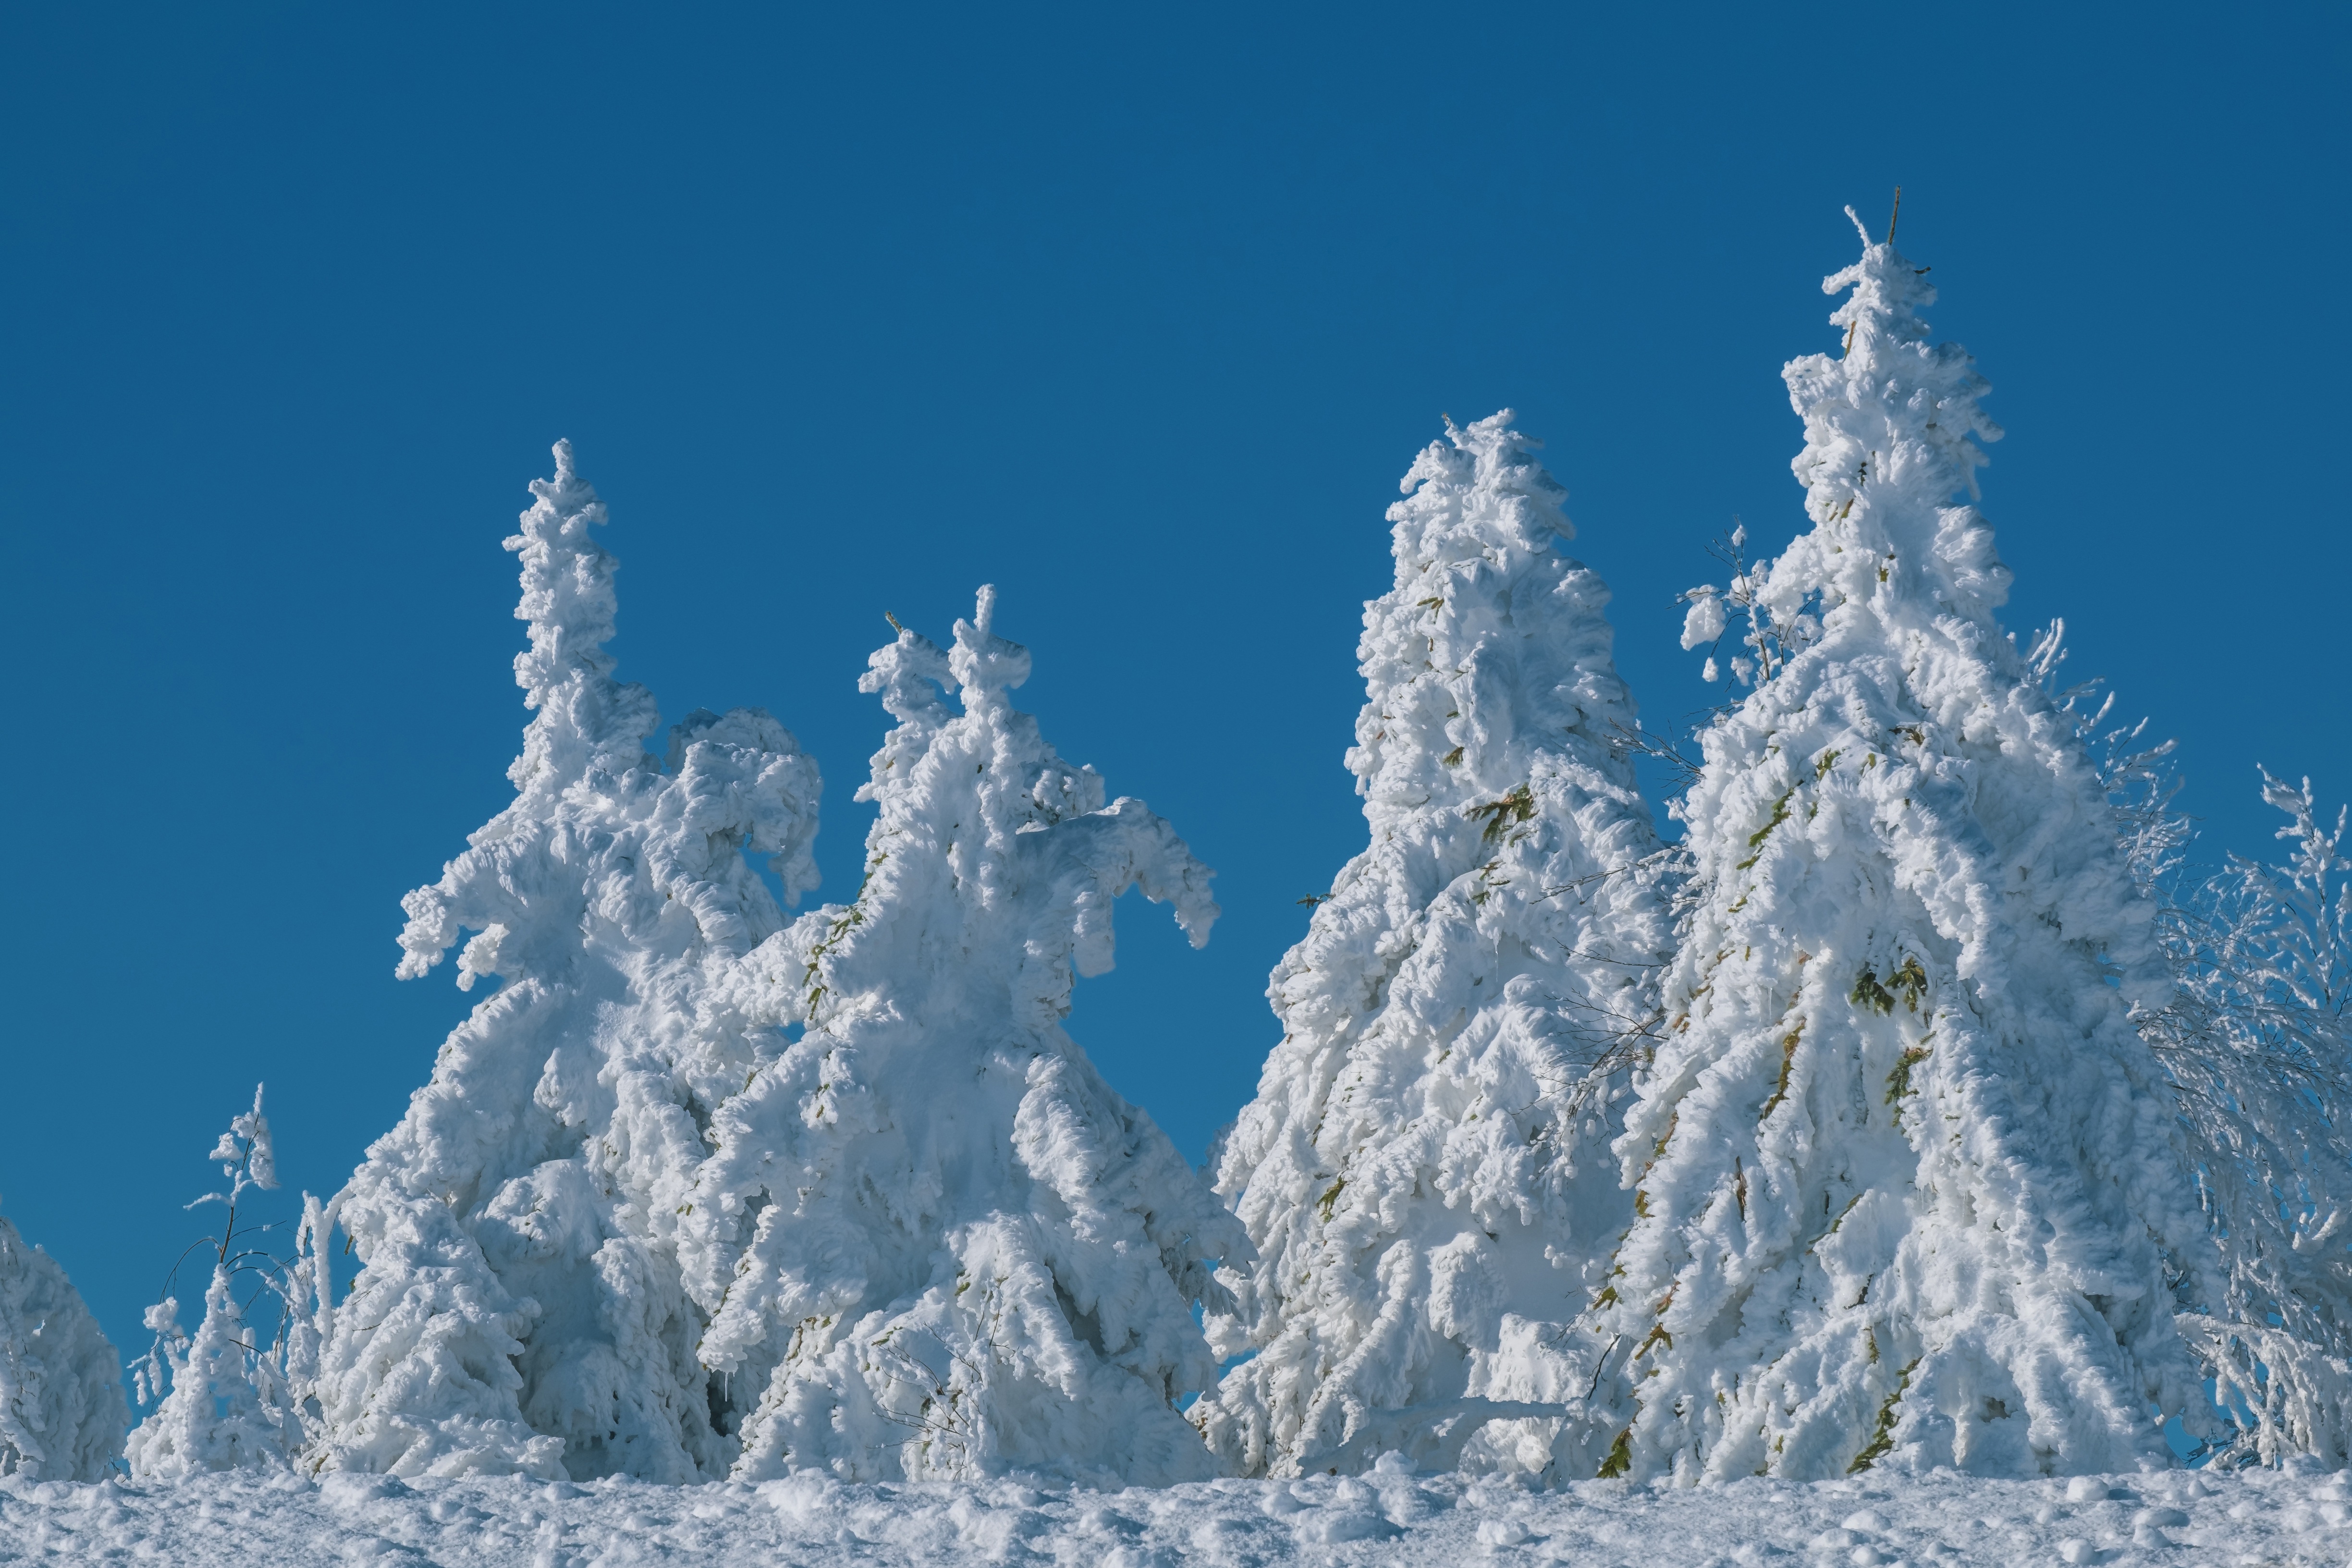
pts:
[1139, 316]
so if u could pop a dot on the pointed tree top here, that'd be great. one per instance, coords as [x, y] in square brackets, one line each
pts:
[1888, 294]
[1887, 452]
[567, 584]
[986, 666]
[1518, 504]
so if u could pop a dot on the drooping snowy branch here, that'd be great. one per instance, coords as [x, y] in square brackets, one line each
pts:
[1425, 1168]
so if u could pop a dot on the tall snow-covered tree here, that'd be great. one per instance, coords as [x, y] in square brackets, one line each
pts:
[521, 1307]
[1907, 1185]
[932, 1240]
[61, 1410]
[1425, 1169]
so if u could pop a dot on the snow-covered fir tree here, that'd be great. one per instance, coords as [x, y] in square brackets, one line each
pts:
[221, 1397]
[62, 1409]
[1425, 1169]
[1906, 1180]
[933, 1241]
[521, 1307]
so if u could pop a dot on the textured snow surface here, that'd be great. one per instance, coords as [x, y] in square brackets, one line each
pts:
[1387, 1516]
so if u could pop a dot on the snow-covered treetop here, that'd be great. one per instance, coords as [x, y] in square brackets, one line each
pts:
[1887, 428]
[1478, 530]
[1492, 729]
[970, 789]
[565, 674]
[246, 1155]
[734, 782]
[1888, 422]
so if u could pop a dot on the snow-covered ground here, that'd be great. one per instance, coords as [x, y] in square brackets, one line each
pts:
[1390, 1516]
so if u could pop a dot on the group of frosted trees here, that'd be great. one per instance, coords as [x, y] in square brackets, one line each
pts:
[1917, 1107]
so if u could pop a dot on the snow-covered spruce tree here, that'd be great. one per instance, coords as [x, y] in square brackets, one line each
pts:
[62, 1409]
[932, 1240]
[221, 1398]
[2258, 1040]
[1425, 1169]
[520, 1308]
[1907, 1184]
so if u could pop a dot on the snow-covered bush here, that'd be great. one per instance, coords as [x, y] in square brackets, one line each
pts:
[1425, 1169]
[932, 1240]
[1908, 1182]
[221, 1398]
[61, 1409]
[521, 1306]
[2256, 1040]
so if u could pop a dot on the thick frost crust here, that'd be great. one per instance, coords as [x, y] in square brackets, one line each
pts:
[62, 1409]
[1425, 1168]
[522, 1305]
[932, 1240]
[1907, 1186]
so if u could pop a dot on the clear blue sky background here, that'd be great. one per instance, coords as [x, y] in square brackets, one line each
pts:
[1139, 314]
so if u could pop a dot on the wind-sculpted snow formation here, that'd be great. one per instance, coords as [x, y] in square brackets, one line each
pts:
[1907, 1184]
[521, 1307]
[931, 1239]
[1425, 1169]
[62, 1409]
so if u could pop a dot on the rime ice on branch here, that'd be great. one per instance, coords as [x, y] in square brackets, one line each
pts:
[932, 1240]
[62, 1409]
[1425, 1169]
[1907, 1181]
[520, 1308]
